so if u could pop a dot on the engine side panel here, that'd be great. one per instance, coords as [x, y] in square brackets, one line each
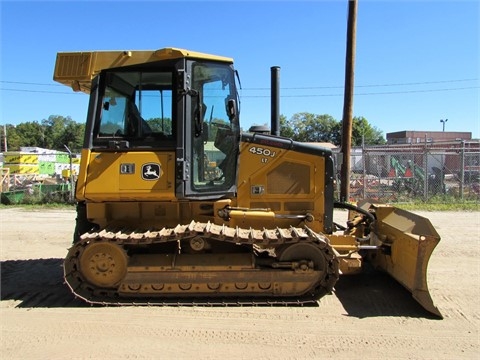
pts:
[288, 178]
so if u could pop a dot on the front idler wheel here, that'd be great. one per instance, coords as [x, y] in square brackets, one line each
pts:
[304, 253]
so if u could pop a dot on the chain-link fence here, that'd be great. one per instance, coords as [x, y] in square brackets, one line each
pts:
[416, 171]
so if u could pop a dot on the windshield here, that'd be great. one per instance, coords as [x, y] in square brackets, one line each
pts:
[136, 106]
[215, 129]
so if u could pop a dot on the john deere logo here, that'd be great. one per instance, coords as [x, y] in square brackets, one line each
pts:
[151, 171]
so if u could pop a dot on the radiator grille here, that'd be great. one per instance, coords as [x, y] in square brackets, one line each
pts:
[289, 178]
[73, 66]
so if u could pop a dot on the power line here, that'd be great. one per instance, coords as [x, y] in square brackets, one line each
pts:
[28, 83]
[287, 88]
[362, 94]
[283, 96]
[40, 91]
[290, 88]
[369, 85]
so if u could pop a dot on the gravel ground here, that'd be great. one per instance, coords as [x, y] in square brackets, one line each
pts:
[368, 315]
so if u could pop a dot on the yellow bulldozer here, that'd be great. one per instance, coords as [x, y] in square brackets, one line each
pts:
[176, 205]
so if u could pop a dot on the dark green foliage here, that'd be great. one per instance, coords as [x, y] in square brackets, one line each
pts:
[52, 133]
[57, 131]
[371, 135]
[163, 125]
[309, 127]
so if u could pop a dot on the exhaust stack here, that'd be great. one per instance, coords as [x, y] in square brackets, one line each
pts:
[275, 100]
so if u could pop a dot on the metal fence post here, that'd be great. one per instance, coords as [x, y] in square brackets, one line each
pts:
[364, 160]
[425, 187]
[462, 169]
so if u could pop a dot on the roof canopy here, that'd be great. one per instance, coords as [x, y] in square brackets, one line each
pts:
[77, 69]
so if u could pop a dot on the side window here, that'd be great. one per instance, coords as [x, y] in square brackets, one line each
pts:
[220, 142]
[214, 95]
[112, 122]
[136, 107]
[155, 108]
[215, 137]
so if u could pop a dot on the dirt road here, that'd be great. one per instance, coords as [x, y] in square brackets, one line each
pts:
[368, 316]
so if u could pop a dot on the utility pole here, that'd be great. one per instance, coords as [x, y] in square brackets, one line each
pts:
[5, 137]
[348, 101]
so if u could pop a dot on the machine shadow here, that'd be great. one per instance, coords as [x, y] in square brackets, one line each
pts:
[375, 293]
[39, 283]
[36, 283]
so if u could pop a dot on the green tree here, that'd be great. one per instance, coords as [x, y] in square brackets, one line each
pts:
[54, 129]
[361, 128]
[25, 134]
[60, 131]
[13, 138]
[307, 127]
[285, 129]
[73, 136]
[52, 133]
[163, 125]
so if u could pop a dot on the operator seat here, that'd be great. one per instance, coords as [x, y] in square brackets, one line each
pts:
[136, 122]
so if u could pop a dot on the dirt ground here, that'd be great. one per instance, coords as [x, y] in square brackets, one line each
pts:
[368, 315]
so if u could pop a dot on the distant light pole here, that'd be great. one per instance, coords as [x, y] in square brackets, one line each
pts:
[443, 122]
[443, 158]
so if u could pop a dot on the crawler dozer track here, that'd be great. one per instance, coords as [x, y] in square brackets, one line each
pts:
[124, 267]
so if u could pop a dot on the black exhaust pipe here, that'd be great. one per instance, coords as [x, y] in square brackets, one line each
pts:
[275, 100]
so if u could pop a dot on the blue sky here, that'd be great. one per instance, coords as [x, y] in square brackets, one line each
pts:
[417, 62]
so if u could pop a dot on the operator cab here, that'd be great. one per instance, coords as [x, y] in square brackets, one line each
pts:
[186, 106]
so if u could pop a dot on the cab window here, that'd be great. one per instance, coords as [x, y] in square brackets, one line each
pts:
[138, 107]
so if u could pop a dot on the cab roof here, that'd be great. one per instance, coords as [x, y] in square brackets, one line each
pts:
[77, 69]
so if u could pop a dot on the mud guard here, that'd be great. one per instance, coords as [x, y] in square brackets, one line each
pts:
[406, 242]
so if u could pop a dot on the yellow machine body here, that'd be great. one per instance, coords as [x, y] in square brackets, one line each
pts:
[177, 205]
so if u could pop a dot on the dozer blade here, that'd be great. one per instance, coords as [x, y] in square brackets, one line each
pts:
[406, 242]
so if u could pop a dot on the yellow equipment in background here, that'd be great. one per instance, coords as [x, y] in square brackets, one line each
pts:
[177, 205]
